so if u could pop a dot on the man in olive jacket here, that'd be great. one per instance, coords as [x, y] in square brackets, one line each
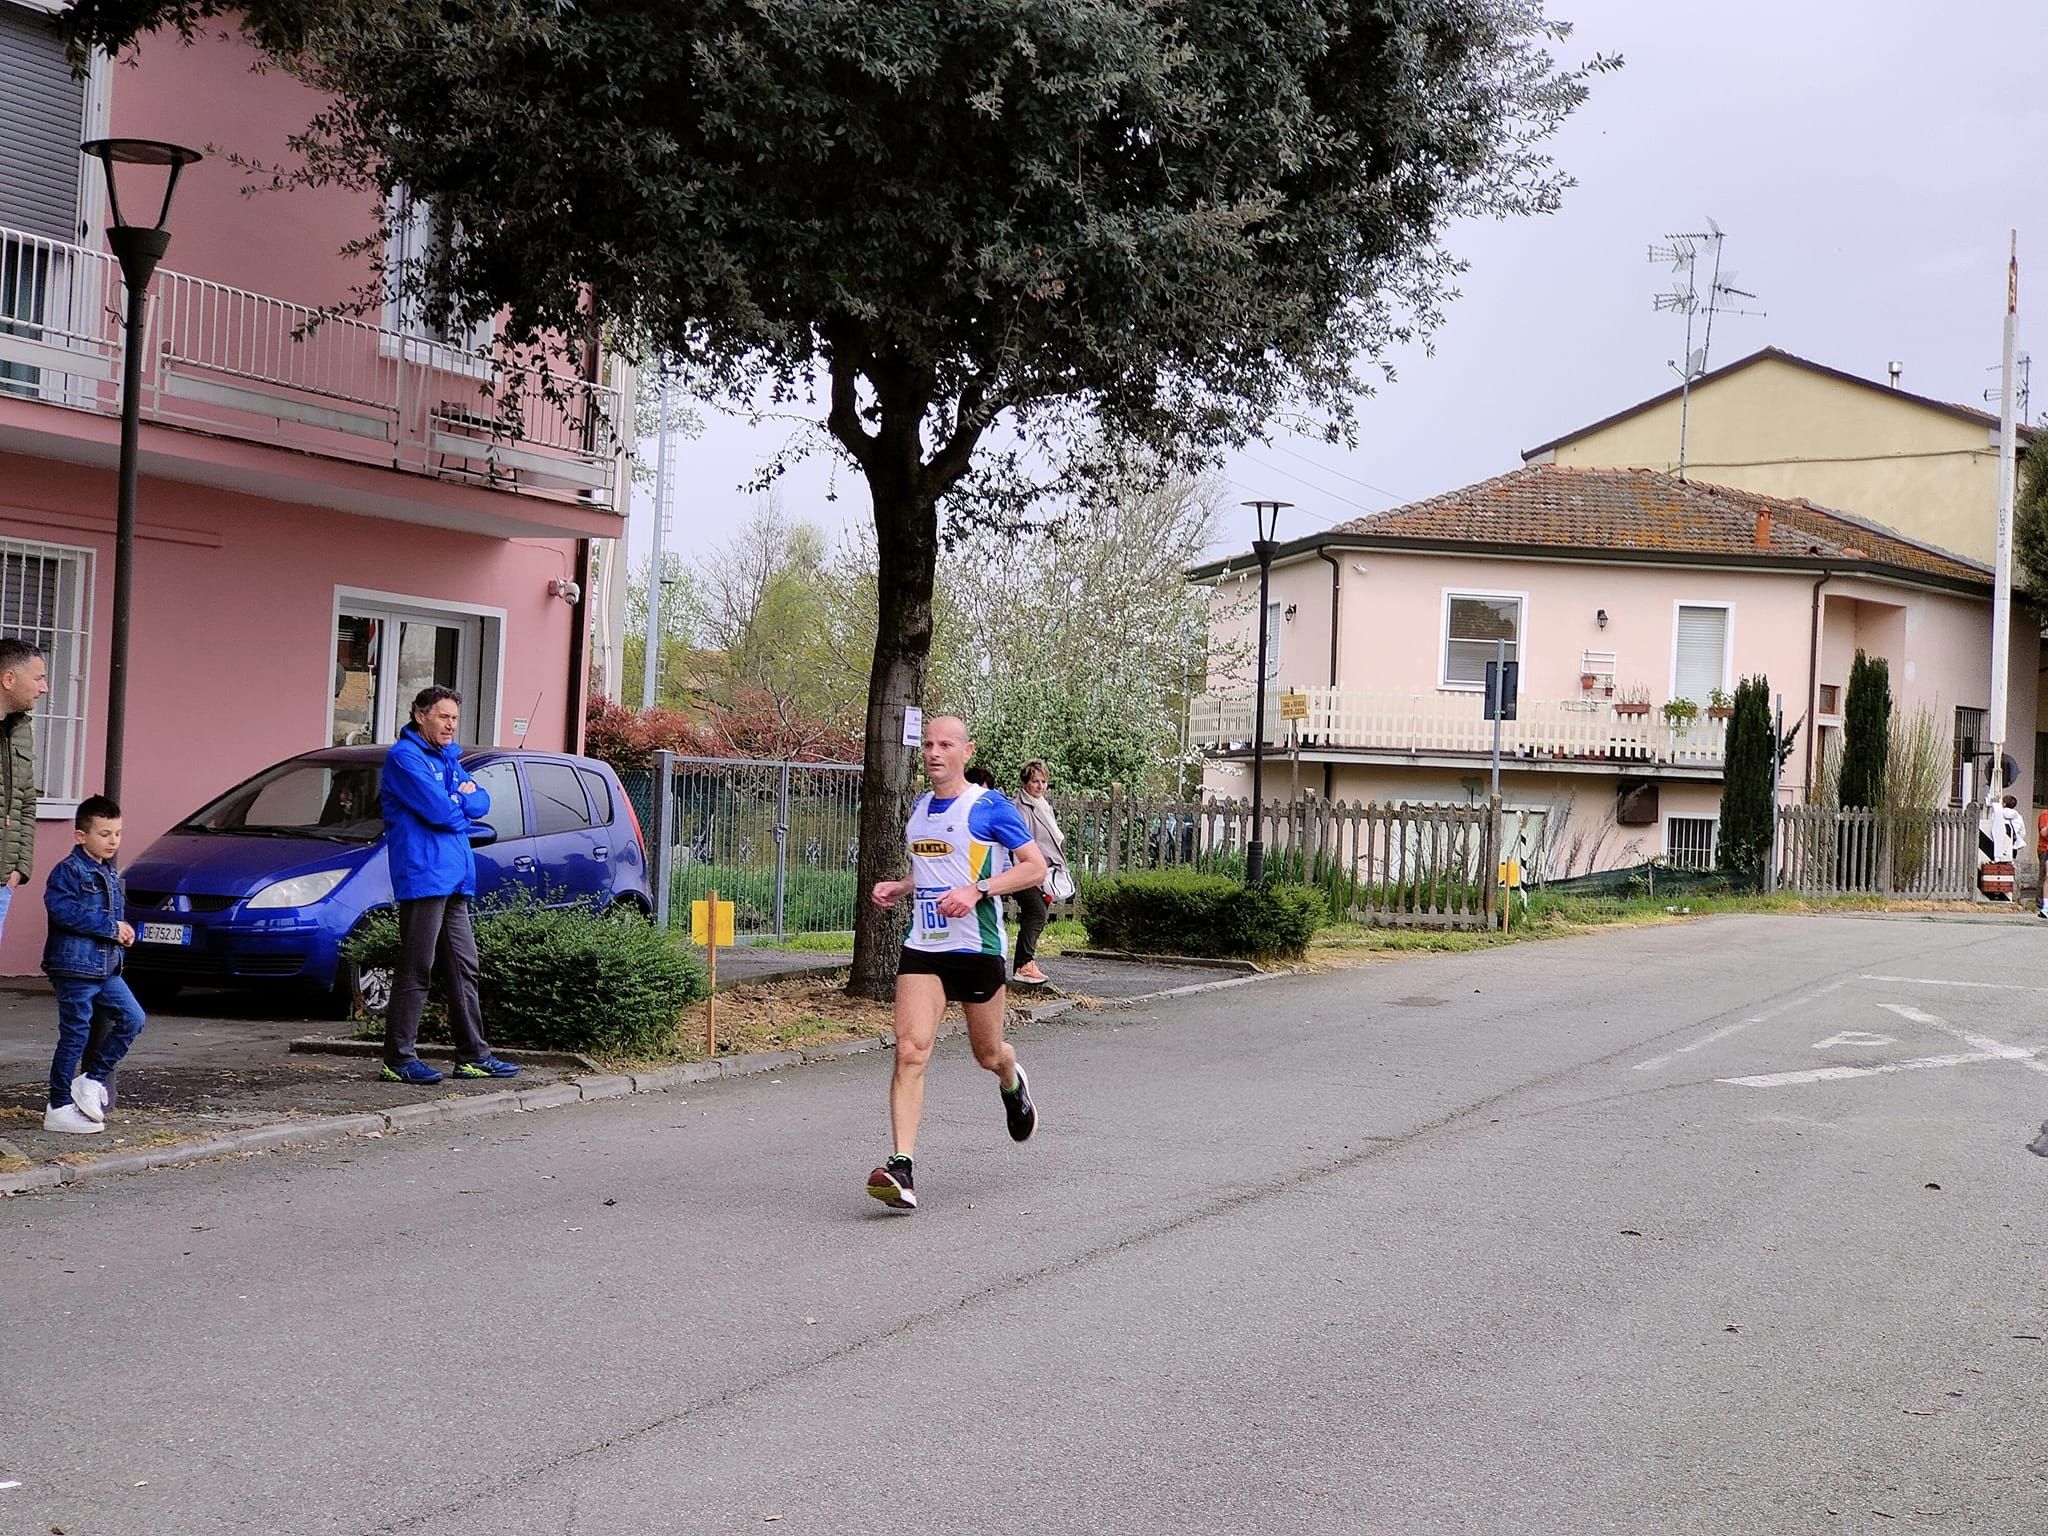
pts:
[24, 678]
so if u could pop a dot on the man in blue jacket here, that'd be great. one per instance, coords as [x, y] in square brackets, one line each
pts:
[429, 803]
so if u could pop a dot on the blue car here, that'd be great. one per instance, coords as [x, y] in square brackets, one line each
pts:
[261, 887]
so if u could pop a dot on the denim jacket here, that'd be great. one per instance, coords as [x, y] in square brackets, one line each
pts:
[85, 900]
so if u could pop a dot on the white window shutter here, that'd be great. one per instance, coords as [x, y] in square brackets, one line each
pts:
[1702, 653]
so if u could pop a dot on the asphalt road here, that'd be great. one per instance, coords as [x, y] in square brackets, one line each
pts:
[1544, 1239]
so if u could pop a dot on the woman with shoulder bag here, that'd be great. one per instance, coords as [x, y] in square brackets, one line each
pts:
[1059, 886]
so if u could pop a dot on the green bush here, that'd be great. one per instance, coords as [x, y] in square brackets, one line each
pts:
[813, 900]
[1175, 912]
[564, 978]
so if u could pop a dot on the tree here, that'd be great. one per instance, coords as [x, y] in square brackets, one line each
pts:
[2030, 519]
[1078, 640]
[681, 615]
[1866, 731]
[1750, 760]
[978, 227]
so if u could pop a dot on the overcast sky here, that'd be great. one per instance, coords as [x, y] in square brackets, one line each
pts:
[1866, 160]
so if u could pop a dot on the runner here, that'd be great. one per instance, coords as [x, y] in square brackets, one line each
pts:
[954, 950]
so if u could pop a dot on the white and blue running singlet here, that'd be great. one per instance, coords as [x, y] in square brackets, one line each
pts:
[954, 843]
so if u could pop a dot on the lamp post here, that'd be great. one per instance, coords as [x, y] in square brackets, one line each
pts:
[138, 248]
[1263, 546]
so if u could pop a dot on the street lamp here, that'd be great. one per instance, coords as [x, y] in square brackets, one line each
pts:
[1263, 546]
[138, 248]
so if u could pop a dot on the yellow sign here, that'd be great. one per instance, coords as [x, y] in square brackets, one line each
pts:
[1293, 706]
[703, 926]
[1511, 874]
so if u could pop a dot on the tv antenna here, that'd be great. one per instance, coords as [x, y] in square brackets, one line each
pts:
[2023, 365]
[1683, 253]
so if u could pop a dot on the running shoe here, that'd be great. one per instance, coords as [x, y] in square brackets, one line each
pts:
[890, 1184]
[1018, 1108]
[489, 1066]
[415, 1071]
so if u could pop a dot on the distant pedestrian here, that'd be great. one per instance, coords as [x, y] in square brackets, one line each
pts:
[979, 776]
[24, 678]
[429, 803]
[954, 950]
[1034, 905]
[2041, 852]
[82, 958]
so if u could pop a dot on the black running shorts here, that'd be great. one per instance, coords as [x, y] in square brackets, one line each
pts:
[967, 977]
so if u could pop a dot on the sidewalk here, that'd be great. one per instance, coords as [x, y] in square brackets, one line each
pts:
[216, 1076]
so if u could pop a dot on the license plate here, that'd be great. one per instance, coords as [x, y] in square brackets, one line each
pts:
[166, 933]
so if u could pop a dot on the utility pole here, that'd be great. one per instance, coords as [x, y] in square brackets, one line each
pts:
[2001, 592]
[650, 665]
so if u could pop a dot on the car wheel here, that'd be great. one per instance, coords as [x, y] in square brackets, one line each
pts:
[628, 909]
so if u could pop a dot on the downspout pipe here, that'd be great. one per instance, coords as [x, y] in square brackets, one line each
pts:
[1336, 610]
[1813, 684]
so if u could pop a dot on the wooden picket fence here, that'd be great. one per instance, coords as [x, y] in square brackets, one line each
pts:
[1823, 851]
[1424, 866]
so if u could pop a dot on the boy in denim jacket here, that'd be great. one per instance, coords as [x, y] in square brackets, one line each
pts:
[82, 958]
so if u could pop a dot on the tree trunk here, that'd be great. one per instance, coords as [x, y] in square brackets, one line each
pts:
[907, 547]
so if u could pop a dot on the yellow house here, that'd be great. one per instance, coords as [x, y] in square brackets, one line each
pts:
[1783, 426]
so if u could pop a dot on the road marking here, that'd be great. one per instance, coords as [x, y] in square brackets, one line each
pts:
[1982, 1048]
[1831, 1074]
[1733, 1029]
[1854, 1037]
[1941, 981]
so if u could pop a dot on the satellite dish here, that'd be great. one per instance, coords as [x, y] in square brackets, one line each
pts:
[1715, 228]
[1696, 362]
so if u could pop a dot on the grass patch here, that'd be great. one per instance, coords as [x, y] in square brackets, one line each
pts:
[814, 943]
[767, 1016]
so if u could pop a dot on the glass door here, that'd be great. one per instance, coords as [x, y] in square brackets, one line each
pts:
[383, 658]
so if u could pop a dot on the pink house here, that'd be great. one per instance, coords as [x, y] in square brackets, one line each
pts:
[332, 513]
[1617, 592]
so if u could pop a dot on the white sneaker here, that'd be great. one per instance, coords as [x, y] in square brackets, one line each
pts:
[71, 1120]
[90, 1095]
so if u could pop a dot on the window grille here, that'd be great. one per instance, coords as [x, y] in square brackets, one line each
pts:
[46, 599]
[1689, 841]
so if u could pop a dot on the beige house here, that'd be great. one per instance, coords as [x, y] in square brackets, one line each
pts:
[1782, 425]
[1616, 592]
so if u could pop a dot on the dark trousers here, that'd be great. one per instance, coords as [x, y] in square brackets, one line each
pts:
[81, 999]
[1031, 914]
[434, 938]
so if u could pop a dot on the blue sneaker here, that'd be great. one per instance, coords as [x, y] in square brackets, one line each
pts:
[490, 1066]
[415, 1071]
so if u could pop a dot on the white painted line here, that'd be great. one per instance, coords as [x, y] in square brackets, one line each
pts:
[1830, 1074]
[1732, 1029]
[1942, 981]
[2022, 1054]
[1854, 1037]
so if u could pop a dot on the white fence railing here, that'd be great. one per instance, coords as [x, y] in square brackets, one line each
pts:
[244, 364]
[1823, 851]
[1456, 722]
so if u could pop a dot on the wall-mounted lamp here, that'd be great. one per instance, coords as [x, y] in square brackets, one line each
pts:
[1600, 618]
[1289, 613]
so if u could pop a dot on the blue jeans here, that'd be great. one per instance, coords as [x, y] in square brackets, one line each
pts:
[78, 999]
[6, 901]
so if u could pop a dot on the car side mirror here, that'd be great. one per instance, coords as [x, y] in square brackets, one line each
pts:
[482, 832]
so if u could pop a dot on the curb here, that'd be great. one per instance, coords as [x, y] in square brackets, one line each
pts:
[339, 1045]
[478, 1106]
[1178, 962]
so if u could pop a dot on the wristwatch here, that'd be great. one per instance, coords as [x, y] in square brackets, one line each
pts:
[981, 885]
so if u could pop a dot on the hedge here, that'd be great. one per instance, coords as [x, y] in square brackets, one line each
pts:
[564, 978]
[1179, 912]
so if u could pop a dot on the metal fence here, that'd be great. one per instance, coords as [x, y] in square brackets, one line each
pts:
[781, 840]
[1829, 852]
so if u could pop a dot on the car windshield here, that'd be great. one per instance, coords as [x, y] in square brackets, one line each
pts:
[337, 801]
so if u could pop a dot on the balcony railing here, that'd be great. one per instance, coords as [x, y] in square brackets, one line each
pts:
[244, 365]
[1415, 725]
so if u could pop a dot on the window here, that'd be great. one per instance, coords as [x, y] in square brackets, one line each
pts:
[1700, 652]
[1474, 625]
[42, 110]
[419, 236]
[508, 812]
[1969, 742]
[1272, 641]
[1830, 698]
[1690, 841]
[45, 599]
[558, 804]
[600, 795]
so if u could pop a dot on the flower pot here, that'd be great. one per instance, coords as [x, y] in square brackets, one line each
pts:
[1588, 681]
[1631, 709]
[1720, 711]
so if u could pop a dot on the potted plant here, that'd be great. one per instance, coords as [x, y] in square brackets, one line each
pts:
[1589, 681]
[1679, 713]
[1719, 705]
[1635, 700]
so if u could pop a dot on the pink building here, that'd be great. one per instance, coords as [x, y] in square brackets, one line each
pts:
[1616, 592]
[332, 514]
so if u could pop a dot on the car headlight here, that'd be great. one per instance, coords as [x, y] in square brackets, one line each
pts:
[300, 890]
